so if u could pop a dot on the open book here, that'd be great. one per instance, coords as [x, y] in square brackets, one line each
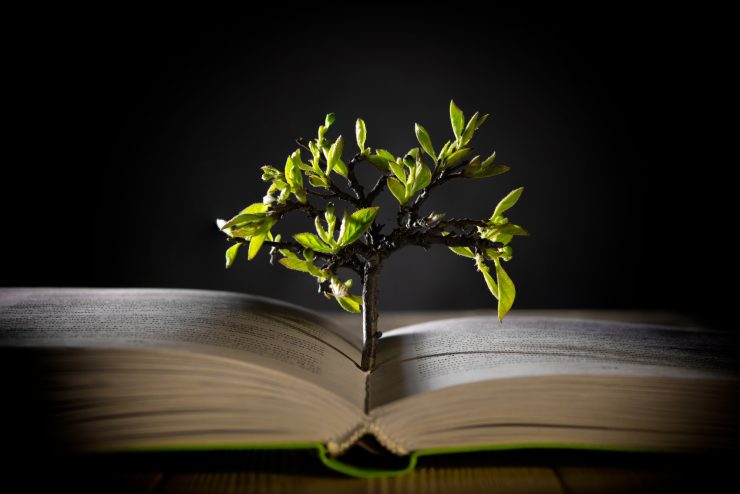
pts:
[142, 369]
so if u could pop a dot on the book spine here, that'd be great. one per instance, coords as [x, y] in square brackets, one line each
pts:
[342, 444]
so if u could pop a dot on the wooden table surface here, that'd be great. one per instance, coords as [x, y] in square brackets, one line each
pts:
[500, 472]
[301, 471]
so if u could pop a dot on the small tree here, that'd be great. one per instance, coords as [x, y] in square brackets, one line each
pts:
[411, 180]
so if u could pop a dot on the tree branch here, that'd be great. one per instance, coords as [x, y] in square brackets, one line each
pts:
[347, 257]
[283, 209]
[294, 247]
[460, 223]
[401, 237]
[320, 193]
[425, 239]
[371, 335]
[445, 176]
[303, 142]
[355, 184]
[341, 194]
[377, 189]
[353, 263]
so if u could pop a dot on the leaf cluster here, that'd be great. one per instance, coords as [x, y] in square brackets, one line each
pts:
[357, 239]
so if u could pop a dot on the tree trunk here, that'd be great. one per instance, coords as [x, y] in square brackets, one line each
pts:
[370, 313]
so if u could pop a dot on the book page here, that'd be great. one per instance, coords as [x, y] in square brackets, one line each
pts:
[253, 329]
[439, 354]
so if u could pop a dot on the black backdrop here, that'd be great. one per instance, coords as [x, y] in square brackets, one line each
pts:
[132, 132]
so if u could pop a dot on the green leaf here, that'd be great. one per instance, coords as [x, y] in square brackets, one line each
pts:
[330, 217]
[478, 169]
[456, 157]
[425, 140]
[242, 219]
[504, 238]
[506, 291]
[322, 275]
[481, 120]
[512, 229]
[354, 225]
[378, 162]
[288, 253]
[360, 134]
[340, 167]
[270, 173]
[323, 234]
[506, 253]
[254, 245]
[490, 282]
[489, 161]
[343, 227]
[295, 264]
[304, 166]
[318, 181]
[410, 159]
[470, 129]
[293, 172]
[423, 177]
[457, 119]
[491, 171]
[472, 167]
[257, 207]
[330, 117]
[385, 154]
[284, 195]
[247, 231]
[316, 154]
[398, 190]
[507, 202]
[492, 253]
[334, 154]
[231, 254]
[299, 165]
[311, 241]
[443, 151]
[463, 251]
[350, 303]
[398, 171]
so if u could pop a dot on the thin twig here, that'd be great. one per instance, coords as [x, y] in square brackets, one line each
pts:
[355, 184]
[319, 193]
[427, 239]
[283, 209]
[294, 247]
[460, 223]
[426, 191]
[377, 189]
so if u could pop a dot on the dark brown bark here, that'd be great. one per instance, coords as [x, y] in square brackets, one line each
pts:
[370, 313]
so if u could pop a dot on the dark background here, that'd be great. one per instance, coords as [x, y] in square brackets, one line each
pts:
[132, 132]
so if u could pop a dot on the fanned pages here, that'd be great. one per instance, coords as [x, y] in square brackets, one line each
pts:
[544, 380]
[130, 369]
[147, 368]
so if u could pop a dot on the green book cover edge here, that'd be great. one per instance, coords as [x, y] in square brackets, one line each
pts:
[356, 471]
